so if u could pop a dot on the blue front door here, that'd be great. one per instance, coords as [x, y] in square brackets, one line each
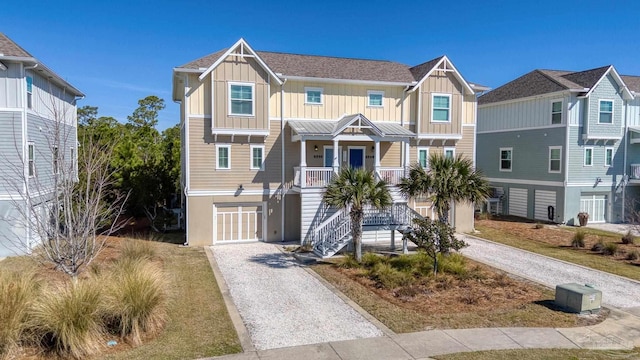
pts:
[356, 158]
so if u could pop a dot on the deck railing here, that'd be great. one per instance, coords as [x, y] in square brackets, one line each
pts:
[391, 175]
[306, 177]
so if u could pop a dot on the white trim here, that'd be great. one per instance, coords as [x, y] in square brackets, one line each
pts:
[8, 109]
[346, 81]
[606, 149]
[510, 150]
[245, 192]
[240, 132]
[449, 148]
[199, 116]
[457, 74]
[549, 163]
[550, 95]
[468, 125]
[603, 185]
[551, 112]
[439, 136]
[251, 148]
[221, 146]
[617, 78]
[375, 92]
[613, 103]
[522, 129]
[422, 148]
[433, 95]
[306, 97]
[253, 98]
[584, 156]
[364, 154]
[31, 143]
[526, 182]
[332, 119]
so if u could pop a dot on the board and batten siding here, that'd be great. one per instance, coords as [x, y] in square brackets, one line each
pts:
[524, 114]
[50, 100]
[199, 95]
[337, 100]
[12, 86]
[607, 89]
[247, 70]
[633, 108]
[10, 151]
[580, 173]
[441, 83]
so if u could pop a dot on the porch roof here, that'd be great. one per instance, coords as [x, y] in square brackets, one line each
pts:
[333, 128]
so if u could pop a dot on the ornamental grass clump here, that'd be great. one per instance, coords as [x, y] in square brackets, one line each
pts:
[66, 319]
[135, 299]
[388, 277]
[628, 238]
[17, 293]
[137, 249]
[578, 239]
[610, 249]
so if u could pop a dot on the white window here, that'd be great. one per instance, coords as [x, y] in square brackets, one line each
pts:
[313, 96]
[257, 157]
[588, 156]
[29, 92]
[606, 112]
[223, 156]
[555, 159]
[506, 159]
[449, 152]
[241, 99]
[31, 154]
[441, 107]
[608, 156]
[556, 112]
[55, 157]
[375, 98]
[423, 157]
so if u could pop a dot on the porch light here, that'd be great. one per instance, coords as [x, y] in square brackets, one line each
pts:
[373, 148]
[315, 148]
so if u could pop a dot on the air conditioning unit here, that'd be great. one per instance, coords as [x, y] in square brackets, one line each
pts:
[578, 298]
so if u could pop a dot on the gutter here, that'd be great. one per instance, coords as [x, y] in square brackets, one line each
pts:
[282, 207]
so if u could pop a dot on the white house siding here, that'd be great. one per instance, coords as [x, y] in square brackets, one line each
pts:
[10, 151]
[607, 89]
[11, 229]
[575, 110]
[532, 113]
[11, 85]
[633, 115]
[50, 100]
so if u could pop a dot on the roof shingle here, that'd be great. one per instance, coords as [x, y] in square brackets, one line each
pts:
[10, 48]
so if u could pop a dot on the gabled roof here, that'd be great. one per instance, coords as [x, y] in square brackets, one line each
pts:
[11, 51]
[332, 128]
[442, 63]
[633, 82]
[543, 81]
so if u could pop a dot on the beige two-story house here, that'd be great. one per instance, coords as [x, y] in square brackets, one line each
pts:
[263, 133]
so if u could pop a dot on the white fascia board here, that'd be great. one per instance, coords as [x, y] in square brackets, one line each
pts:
[618, 79]
[554, 94]
[239, 132]
[439, 136]
[455, 72]
[526, 182]
[185, 70]
[346, 81]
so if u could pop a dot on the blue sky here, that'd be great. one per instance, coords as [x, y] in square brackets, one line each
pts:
[117, 52]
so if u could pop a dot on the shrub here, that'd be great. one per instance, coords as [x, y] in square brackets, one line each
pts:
[610, 249]
[633, 255]
[370, 259]
[137, 249]
[388, 277]
[599, 246]
[66, 319]
[348, 261]
[628, 238]
[454, 264]
[578, 239]
[17, 291]
[135, 302]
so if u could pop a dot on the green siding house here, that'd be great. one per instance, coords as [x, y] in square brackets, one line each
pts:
[557, 143]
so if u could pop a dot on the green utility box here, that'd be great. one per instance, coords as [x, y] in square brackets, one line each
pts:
[578, 298]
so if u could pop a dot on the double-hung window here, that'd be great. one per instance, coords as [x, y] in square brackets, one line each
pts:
[29, 92]
[441, 107]
[223, 160]
[555, 159]
[31, 154]
[257, 157]
[449, 152]
[375, 98]
[556, 112]
[506, 158]
[423, 157]
[606, 112]
[608, 156]
[588, 156]
[241, 99]
[313, 96]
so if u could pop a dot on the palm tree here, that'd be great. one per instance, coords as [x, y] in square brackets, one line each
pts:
[353, 189]
[446, 180]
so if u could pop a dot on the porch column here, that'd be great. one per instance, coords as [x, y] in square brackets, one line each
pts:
[336, 156]
[406, 155]
[303, 163]
[377, 155]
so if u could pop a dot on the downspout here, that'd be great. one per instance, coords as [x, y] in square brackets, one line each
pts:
[186, 158]
[566, 157]
[403, 151]
[624, 163]
[282, 207]
[25, 171]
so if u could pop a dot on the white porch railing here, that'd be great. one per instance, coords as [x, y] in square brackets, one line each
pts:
[305, 177]
[635, 172]
[391, 176]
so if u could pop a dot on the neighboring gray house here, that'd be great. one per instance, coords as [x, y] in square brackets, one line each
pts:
[37, 139]
[556, 143]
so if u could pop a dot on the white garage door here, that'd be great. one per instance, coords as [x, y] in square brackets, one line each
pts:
[237, 223]
[595, 206]
[544, 199]
[518, 202]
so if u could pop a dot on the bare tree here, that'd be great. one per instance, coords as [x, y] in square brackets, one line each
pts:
[62, 193]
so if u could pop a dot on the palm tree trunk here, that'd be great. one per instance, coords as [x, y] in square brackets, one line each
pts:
[356, 232]
[443, 214]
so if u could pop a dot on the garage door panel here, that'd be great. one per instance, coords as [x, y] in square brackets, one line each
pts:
[238, 223]
[518, 202]
[543, 199]
[595, 206]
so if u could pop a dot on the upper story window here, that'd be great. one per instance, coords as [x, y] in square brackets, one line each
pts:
[608, 156]
[506, 155]
[31, 159]
[313, 96]
[257, 157]
[241, 99]
[423, 157]
[224, 157]
[606, 112]
[441, 107]
[29, 92]
[375, 98]
[449, 153]
[588, 156]
[555, 159]
[556, 112]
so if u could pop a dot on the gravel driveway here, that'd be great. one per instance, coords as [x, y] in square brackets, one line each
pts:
[616, 291]
[281, 304]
